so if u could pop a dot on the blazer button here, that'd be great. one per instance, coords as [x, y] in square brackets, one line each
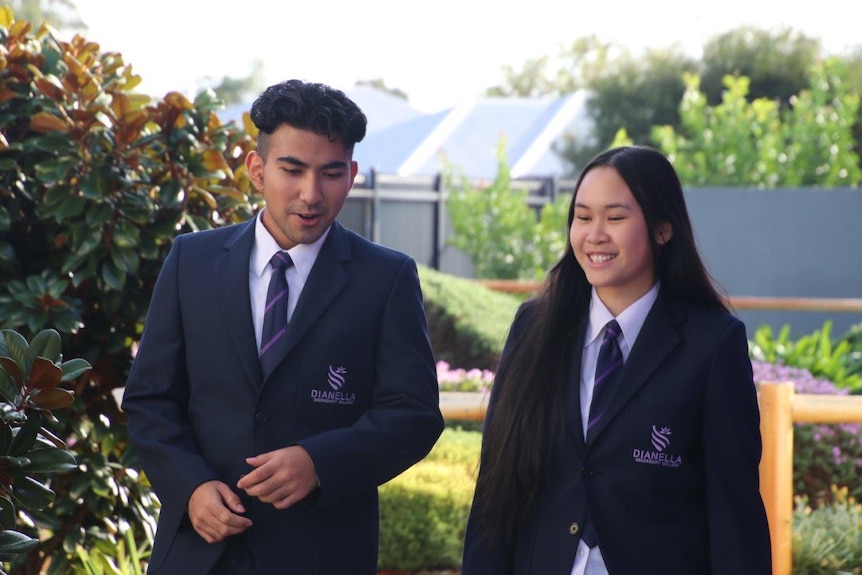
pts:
[261, 417]
[587, 471]
[574, 529]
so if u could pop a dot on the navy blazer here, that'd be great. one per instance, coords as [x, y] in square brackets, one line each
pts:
[357, 389]
[671, 470]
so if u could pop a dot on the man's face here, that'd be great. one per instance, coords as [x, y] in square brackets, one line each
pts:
[304, 179]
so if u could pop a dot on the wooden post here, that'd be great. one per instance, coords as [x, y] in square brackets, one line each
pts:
[776, 470]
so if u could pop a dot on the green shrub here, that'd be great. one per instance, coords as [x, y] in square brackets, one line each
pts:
[828, 538]
[32, 375]
[95, 183]
[854, 338]
[815, 352]
[504, 237]
[423, 511]
[467, 322]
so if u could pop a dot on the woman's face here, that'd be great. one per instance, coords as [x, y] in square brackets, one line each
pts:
[610, 239]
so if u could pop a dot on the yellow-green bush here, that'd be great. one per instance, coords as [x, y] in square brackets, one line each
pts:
[423, 511]
[829, 538]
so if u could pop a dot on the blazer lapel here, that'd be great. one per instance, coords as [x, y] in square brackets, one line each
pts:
[327, 279]
[656, 340]
[231, 271]
[573, 399]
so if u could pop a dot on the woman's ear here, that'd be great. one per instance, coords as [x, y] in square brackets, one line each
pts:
[663, 233]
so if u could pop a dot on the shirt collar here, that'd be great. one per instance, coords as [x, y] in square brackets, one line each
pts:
[303, 255]
[631, 319]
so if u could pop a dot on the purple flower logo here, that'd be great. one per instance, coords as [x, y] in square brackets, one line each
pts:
[336, 377]
[660, 438]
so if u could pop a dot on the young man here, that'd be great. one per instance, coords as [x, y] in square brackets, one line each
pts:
[285, 369]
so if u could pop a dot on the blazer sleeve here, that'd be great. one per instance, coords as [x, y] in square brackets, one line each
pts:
[404, 420]
[738, 529]
[156, 397]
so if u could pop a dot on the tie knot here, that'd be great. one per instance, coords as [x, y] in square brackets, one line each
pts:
[280, 261]
[612, 330]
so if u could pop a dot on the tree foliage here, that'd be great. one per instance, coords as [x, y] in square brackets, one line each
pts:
[776, 63]
[502, 235]
[755, 143]
[95, 182]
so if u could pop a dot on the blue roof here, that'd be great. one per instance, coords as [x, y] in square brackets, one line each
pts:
[404, 141]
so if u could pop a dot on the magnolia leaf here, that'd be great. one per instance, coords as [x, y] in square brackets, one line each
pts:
[46, 344]
[45, 374]
[15, 542]
[45, 122]
[7, 512]
[15, 346]
[53, 398]
[50, 460]
[10, 367]
[26, 435]
[32, 494]
[73, 368]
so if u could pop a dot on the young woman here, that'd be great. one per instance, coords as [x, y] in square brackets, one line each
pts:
[662, 477]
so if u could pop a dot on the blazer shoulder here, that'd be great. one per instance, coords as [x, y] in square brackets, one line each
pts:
[363, 247]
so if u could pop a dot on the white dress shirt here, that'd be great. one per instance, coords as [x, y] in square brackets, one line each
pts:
[590, 561]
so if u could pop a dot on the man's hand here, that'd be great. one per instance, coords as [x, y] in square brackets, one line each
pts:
[281, 477]
[214, 511]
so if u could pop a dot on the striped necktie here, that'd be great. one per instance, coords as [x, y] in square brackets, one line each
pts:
[275, 313]
[607, 369]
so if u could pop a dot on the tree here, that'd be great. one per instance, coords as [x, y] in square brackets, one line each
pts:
[568, 71]
[95, 182]
[237, 90]
[634, 93]
[777, 64]
[756, 143]
[501, 234]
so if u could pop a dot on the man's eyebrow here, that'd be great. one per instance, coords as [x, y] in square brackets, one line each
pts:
[294, 161]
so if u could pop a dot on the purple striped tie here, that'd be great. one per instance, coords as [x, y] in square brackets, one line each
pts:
[275, 314]
[607, 369]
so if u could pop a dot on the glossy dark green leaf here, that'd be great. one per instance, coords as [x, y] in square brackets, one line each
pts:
[71, 206]
[13, 344]
[26, 435]
[73, 368]
[113, 276]
[7, 512]
[45, 344]
[50, 461]
[8, 388]
[16, 543]
[125, 259]
[32, 494]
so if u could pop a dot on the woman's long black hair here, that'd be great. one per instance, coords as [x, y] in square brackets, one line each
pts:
[529, 408]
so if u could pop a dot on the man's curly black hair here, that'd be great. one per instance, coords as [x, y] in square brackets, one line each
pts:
[308, 106]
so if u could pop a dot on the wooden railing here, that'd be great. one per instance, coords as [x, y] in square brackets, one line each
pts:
[780, 408]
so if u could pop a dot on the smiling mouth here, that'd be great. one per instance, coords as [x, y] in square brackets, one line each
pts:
[308, 216]
[601, 258]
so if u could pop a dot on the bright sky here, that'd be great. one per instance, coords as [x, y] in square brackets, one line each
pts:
[438, 52]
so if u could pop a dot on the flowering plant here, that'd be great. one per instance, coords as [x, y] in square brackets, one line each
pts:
[460, 379]
[823, 454]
